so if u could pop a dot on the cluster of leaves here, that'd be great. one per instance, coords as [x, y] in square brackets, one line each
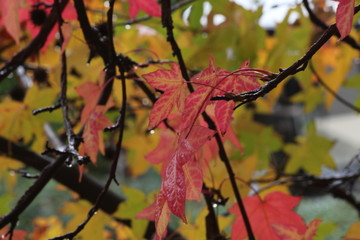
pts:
[173, 123]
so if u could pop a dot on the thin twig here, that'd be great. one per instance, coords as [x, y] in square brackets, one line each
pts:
[71, 140]
[46, 109]
[112, 174]
[317, 21]
[168, 24]
[142, 19]
[293, 69]
[35, 45]
[332, 92]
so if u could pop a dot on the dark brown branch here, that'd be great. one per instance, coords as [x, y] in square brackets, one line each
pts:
[293, 69]
[35, 45]
[48, 172]
[317, 21]
[71, 141]
[168, 24]
[112, 174]
[212, 226]
[90, 34]
[87, 189]
[332, 92]
[46, 109]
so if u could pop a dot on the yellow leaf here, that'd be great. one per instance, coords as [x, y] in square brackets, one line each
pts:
[46, 228]
[197, 230]
[354, 231]
[333, 62]
[78, 210]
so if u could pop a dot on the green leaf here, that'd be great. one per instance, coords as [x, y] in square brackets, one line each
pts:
[261, 144]
[136, 201]
[5, 204]
[311, 153]
[196, 13]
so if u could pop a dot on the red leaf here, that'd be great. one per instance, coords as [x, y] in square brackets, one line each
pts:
[69, 13]
[344, 17]
[174, 179]
[90, 92]
[151, 7]
[174, 87]
[276, 208]
[193, 180]
[10, 18]
[235, 82]
[93, 131]
[174, 185]
[164, 150]
[197, 101]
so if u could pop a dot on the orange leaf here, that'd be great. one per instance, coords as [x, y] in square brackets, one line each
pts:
[193, 180]
[90, 92]
[174, 88]
[291, 233]
[93, 131]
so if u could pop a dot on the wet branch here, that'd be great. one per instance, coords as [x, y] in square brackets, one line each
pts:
[168, 24]
[299, 65]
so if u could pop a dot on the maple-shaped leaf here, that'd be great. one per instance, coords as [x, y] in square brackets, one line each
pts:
[92, 136]
[90, 92]
[235, 83]
[276, 208]
[176, 174]
[193, 180]
[198, 100]
[174, 184]
[151, 7]
[165, 148]
[344, 17]
[291, 233]
[174, 88]
[310, 153]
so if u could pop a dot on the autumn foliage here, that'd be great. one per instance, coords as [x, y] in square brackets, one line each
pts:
[182, 104]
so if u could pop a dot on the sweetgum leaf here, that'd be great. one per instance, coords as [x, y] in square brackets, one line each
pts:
[311, 153]
[174, 87]
[276, 208]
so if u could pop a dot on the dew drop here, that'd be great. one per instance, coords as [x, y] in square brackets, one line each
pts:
[128, 26]
[152, 131]
[214, 205]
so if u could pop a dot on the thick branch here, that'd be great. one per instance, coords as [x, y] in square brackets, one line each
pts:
[87, 189]
[35, 45]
